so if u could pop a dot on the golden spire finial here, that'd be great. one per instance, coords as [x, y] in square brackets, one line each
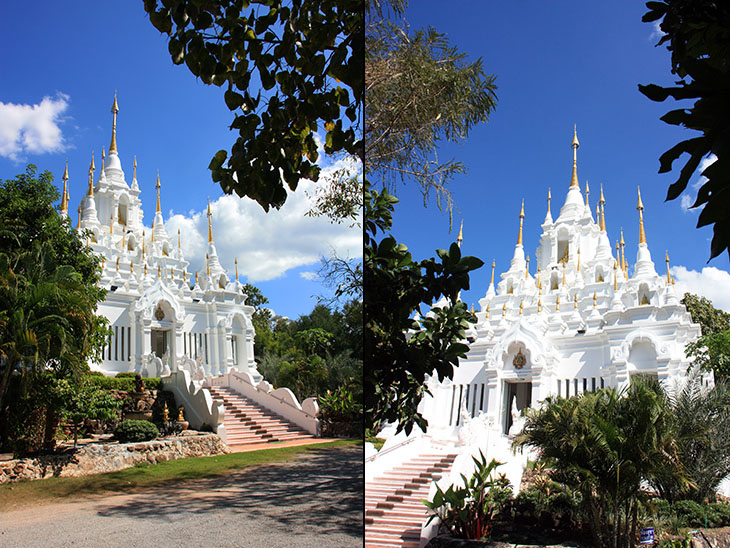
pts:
[157, 186]
[522, 306]
[103, 156]
[117, 264]
[460, 237]
[594, 299]
[92, 167]
[172, 272]
[78, 219]
[131, 267]
[134, 176]
[111, 224]
[522, 216]
[622, 243]
[587, 191]
[666, 258]
[491, 282]
[575, 301]
[527, 267]
[549, 198]
[207, 264]
[579, 259]
[563, 273]
[210, 225]
[574, 145]
[235, 262]
[472, 308]
[143, 239]
[103, 263]
[615, 279]
[159, 271]
[178, 238]
[504, 309]
[640, 207]
[64, 196]
[196, 279]
[557, 302]
[115, 110]
[487, 316]
[539, 304]
[145, 269]
[603, 218]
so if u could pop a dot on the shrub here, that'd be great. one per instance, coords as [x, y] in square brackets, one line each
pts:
[97, 374]
[469, 511]
[691, 512]
[125, 374]
[133, 430]
[340, 405]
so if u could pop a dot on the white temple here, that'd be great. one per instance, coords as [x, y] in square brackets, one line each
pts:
[163, 317]
[580, 321]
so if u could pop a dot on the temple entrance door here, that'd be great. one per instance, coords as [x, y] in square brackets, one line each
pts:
[523, 392]
[159, 341]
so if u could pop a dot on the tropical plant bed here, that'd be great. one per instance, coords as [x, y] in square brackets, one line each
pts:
[445, 541]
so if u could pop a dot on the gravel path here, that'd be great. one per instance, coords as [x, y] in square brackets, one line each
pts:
[314, 501]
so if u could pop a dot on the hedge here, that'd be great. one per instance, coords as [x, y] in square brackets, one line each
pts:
[134, 430]
[124, 383]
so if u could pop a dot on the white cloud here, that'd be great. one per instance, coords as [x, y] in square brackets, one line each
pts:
[309, 275]
[32, 128]
[267, 244]
[711, 283]
[656, 31]
[687, 199]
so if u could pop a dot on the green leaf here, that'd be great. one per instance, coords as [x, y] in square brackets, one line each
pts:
[233, 100]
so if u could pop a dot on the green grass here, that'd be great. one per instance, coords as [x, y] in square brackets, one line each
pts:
[26, 493]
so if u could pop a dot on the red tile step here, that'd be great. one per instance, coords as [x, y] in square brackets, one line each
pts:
[247, 422]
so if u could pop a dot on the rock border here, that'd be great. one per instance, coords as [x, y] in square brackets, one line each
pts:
[105, 457]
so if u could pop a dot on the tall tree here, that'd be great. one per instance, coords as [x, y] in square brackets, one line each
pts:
[697, 33]
[419, 90]
[711, 352]
[304, 58]
[48, 288]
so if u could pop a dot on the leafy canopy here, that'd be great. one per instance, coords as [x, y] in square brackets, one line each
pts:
[402, 350]
[419, 91]
[697, 33]
[306, 58]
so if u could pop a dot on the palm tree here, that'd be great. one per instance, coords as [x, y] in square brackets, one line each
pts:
[604, 444]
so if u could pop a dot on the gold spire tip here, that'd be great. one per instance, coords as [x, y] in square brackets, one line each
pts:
[115, 110]
[574, 145]
[157, 186]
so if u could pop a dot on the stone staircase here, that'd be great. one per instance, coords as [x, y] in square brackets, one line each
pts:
[394, 512]
[247, 422]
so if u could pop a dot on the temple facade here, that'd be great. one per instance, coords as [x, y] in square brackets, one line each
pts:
[163, 318]
[579, 318]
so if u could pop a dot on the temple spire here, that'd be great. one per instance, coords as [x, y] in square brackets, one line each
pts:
[623, 255]
[574, 145]
[491, 282]
[103, 156]
[178, 238]
[588, 207]
[92, 167]
[669, 277]
[549, 198]
[115, 110]
[134, 175]
[602, 201]
[157, 186]
[640, 207]
[522, 216]
[210, 225]
[64, 196]
[235, 262]
[459, 238]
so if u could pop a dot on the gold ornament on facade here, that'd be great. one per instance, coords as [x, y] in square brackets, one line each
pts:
[519, 361]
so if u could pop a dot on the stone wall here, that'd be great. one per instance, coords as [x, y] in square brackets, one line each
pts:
[108, 457]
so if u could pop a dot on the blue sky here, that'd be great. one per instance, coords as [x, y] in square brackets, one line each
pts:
[61, 64]
[559, 64]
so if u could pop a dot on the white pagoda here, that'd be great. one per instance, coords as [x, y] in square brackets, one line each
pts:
[163, 317]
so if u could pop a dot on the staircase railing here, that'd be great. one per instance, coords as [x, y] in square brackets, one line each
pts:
[199, 405]
[281, 401]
